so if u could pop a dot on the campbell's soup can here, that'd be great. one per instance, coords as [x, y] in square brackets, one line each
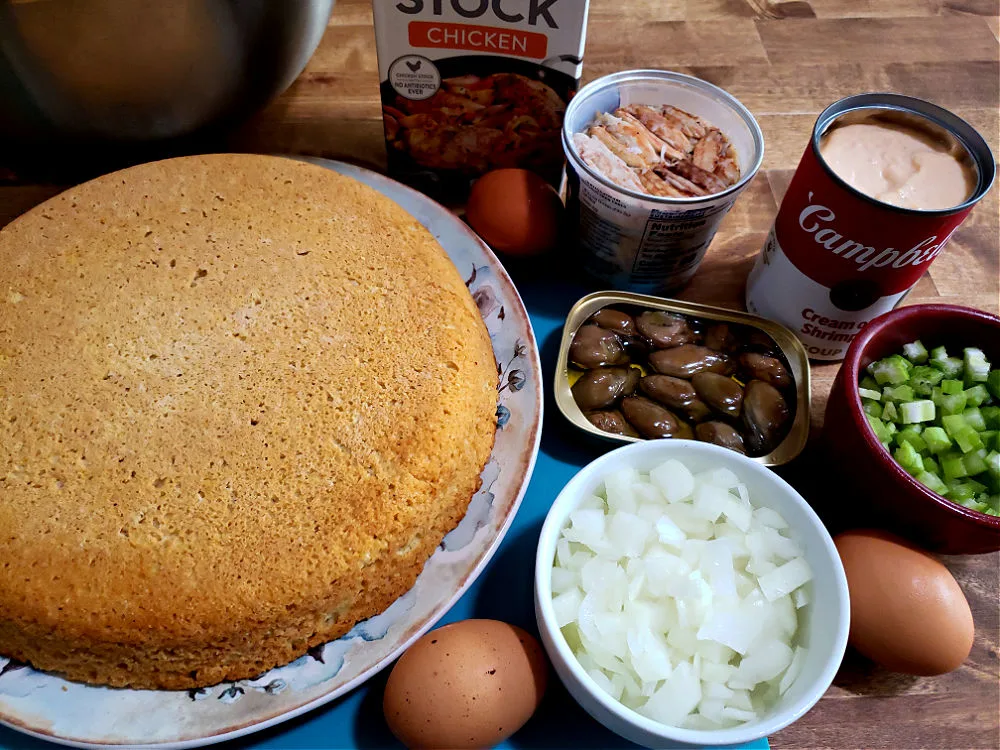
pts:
[837, 258]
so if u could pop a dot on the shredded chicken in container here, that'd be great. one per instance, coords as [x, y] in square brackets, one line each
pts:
[661, 151]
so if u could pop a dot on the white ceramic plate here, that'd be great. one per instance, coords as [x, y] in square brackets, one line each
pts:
[80, 715]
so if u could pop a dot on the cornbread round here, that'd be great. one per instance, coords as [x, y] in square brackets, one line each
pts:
[242, 399]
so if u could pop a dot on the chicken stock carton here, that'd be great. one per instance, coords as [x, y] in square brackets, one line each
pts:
[474, 85]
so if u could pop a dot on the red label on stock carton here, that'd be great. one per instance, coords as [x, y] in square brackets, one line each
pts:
[478, 39]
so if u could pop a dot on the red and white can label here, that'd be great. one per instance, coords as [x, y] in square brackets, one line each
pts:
[836, 259]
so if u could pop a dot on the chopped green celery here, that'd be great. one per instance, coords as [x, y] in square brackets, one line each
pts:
[923, 379]
[989, 438]
[937, 439]
[869, 383]
[974, 418]
[893, 370]
[897, 393]
[916, 352]
[993, 383]
[952, 404]
[932, 481]
[975, 504]
[953, 466]
[991, 415]
[952, 423]
[911, 435]
[961, 492]
[889, 412]
[916, 411]
[978, 488]
[952, 387]
[879, 428]
[939, 352]
[907, 457]
[936, 396]
[874, 408]
[975, 462]
[968, 439]
[891, 429]
[866, 393]
[977, 367]
[992, 480]
[932, 466]
[977, 395]
[992, 462]
[950, 366]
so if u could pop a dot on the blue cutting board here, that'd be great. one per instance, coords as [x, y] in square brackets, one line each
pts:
[502, 592]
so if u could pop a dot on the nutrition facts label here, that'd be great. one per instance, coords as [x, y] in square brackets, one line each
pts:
[632, 244]
[668, 244]
[673, 243]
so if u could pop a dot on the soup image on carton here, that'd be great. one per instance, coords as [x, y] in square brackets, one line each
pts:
[473, 85]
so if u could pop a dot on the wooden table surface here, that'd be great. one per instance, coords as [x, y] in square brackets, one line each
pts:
[786, 61]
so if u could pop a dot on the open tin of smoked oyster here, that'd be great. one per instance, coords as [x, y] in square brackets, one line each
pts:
[793, 432]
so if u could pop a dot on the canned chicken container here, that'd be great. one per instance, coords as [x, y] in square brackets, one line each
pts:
[836, 258]
[642, 242]
[791, 348]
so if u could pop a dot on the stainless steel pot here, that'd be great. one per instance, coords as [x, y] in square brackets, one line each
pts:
[146, 70]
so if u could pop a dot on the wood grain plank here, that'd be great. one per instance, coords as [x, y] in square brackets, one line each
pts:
[346, 49]
[700, 10]
[794, 88]
[785, 138]
[632, 43]
[874, 8]
[884, 40]
[971, 7]
[360, 141]
[808, 88]
[352, 13]
[953, 84]
[994, 24]
[650, 10]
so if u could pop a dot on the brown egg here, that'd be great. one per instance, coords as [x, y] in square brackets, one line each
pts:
[907, 611]
[515, 211]
[470, 684]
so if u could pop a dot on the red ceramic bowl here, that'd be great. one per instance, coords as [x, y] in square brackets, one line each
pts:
[883, 492]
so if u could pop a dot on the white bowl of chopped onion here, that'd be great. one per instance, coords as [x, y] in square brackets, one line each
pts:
[687, 594]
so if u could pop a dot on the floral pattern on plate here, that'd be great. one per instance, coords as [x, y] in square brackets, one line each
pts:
[81, 715]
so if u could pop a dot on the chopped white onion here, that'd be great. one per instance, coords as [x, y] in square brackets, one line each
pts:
[681, 599]
[673, 479]
[604, 683]
[769, 517]
[676, 698]
[564, 579]
[628, 533]
[669, 533]
[567, 606]
[710, 500]
[793, 670]
[786, 579]
[800, 596]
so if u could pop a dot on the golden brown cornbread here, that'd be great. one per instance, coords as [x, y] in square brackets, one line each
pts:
[242, 400]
